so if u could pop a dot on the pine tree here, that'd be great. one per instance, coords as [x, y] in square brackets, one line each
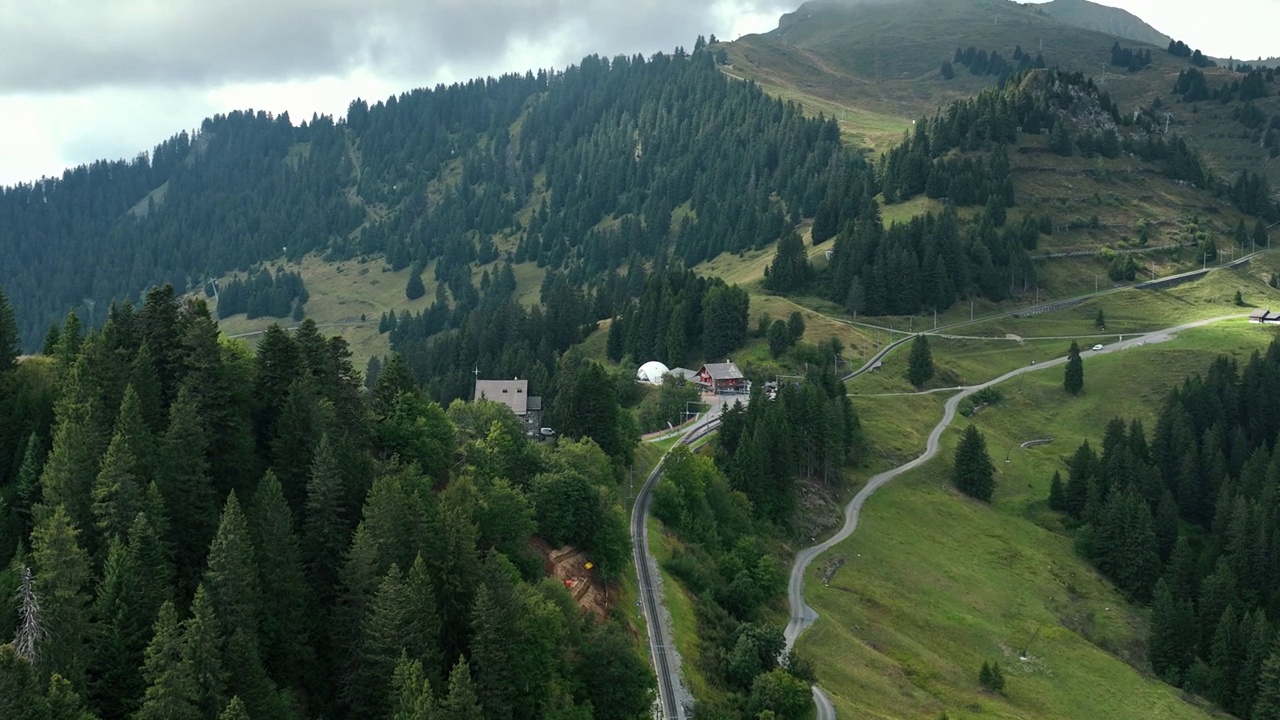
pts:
[411, 696]
[202, 655]
[382, 644]
[1167, 646]
[462, 703]
[414, 289]
[171, 690]
[61, 581]
[27, 485]
[8, 335]
[1100, 320]
[188, 493]
[235, 710]
[493, 641]
[73, 462]
[283, 623]
[64, 702]
[232, 574]
[422, 623]
[134, 587]
[118, 489]
[790, 267]
[303, 417]
[1057, 493]
[1267, 706]
[21, 697]
[973, 473]
[1073, 379]
[324, 531]
[919, 362]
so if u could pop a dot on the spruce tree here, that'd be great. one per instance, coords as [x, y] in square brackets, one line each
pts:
[973, 472]
[119, 487]
[171, 690]
[414, 289]
[27, 485]
[382, 643]
[461, 703]
[283, 622]
[411, 696]
[134, 586]
[324, 533]
[1267, 704]
[78, 442]
[920, 362]
[235, 710]
[232, 574]
[1073, 379]
[1100, 320]
[21, 697]
[493, 630]
[422, 623]
[202, 645]
[187, 490]
[64, 702]
[61, 582]
[8, 335]
[1057, 493]
[1167, 645]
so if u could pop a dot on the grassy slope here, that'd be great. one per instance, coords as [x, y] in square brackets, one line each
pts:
[343, 291]
[934, 584]
[875, 68]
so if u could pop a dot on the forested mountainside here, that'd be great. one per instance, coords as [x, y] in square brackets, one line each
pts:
[1185, 518]
[961, 155]
[609, 163]
[187, 528]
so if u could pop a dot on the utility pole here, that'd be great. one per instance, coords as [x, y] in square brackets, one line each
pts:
[935, 318]
[1095, 283]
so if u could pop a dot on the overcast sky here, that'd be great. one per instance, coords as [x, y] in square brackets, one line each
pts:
[82, 80]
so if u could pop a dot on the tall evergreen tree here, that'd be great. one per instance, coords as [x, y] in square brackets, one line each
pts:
[412, 698]
[187, 489]
[920, 362]
[283, 622]
[461, 703]
[202, 645]
[61, 582]
[171, 690]
[973, 472]
[232, 574]
[1073, 379]
[324, 533]
[73, 462]
[119, 487]
[8, 335]
[235, 710]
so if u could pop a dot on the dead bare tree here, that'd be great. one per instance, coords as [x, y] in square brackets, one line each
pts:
[27, 639]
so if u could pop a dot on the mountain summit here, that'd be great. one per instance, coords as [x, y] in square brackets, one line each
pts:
[1110, 20]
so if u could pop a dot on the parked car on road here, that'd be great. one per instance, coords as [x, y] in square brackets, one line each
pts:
[1097, 348]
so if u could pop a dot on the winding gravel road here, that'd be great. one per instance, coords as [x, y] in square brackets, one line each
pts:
[803, 616]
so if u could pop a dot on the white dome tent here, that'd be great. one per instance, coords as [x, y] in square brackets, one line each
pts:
[652, 372]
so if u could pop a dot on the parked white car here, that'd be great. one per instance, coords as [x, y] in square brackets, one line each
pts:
[1097, 348]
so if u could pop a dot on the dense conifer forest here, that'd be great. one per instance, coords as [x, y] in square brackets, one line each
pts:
[628, 161]
[191, 529]
[1185, 518]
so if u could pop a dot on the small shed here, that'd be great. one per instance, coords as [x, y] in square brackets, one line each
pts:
[1265, 317]
[722, 378]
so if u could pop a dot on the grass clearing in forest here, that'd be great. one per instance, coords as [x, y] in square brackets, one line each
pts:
[934, 583]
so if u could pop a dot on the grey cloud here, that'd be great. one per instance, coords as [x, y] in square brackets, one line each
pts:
[70, 45]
